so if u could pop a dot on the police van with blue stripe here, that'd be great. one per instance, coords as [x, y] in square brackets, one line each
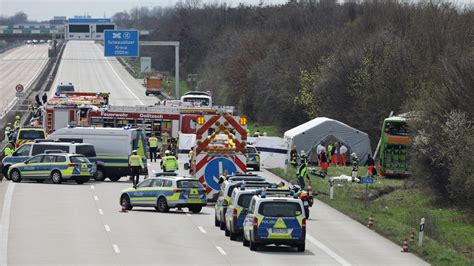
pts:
[275, 217]
[113, 146]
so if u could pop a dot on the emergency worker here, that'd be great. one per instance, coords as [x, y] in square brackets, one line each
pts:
[17, 122]
[281, 185]
[223, 177]
[302, 171]
[136, 164]
[323, 159]
[153, 147]
[8, 132]
[165, 138]
[8, 151]
[169, 163]
[293, 157]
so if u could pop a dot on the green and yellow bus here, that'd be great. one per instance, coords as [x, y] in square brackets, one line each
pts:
[394, 148]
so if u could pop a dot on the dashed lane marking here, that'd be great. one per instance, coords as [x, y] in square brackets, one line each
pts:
[107, 228]
[202, 230]
[92, 187]
[101, 212]
[96, 198]
[221, 250]
[116, 248]
[5, 225]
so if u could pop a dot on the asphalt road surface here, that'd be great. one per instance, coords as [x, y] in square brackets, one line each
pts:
[81, 224]
[84, 65]
[20, 65]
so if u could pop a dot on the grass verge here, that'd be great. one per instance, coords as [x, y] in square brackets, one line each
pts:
[270, 130]
[397, 206]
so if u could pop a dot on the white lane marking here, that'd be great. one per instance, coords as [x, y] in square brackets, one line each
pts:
[153, 171]
[101, 212]
[120, 79]
[187, 214]
[202, 230]
[5, 225]
[92, 187]
[116, 248]
[96, 198]
[221, 250]
[331, 253]
[107, 228]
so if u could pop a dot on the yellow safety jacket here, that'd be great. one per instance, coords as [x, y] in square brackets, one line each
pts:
[153, 142]
[170, 163]
[165, 138]
[8, 151]
[136, 160]
[16, 124]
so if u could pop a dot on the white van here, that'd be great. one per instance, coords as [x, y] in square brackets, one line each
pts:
[113, 146]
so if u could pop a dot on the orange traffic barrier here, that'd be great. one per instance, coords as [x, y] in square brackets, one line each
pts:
[405, 246]
[370, 223]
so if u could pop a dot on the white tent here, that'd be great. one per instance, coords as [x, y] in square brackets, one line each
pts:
[308, 135]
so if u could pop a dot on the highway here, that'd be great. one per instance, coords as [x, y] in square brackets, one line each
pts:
[84, 65]
[81, 224]
[20, 65]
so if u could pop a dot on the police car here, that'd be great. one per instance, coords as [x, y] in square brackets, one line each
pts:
[165, 192]
[58, 167]
[224, 197]
[275, 217]
[237, 210]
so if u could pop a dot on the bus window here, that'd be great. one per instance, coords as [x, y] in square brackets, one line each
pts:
[396, 128]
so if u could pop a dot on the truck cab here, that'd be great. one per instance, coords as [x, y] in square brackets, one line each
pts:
[197, 98]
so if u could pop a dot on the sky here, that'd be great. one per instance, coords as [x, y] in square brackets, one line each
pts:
[46, 9]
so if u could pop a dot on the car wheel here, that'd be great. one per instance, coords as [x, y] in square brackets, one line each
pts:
[232, 235]
[196, 209]
[115, 178]
[80, 181]
[245, 242]
[162, 205]
[125, 201]
[301, 248]
[226, 232]
[56, 177]
[253, 246]
[222, 225]
[15, 175]
[99, 174]
[5, 172]
[257, 168]
[216, 222]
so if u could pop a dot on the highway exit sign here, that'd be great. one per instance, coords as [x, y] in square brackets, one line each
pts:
[121, 43]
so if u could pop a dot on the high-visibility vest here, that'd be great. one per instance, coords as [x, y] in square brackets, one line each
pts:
[165, 137]
[170, 163]
[8, 151]
[135, 160]
[153, 142]
[16, 124]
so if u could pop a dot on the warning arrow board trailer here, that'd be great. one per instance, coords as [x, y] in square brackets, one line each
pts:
[220, 146]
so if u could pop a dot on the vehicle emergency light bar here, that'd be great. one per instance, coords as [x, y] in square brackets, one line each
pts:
[254, 184]
[278, 193]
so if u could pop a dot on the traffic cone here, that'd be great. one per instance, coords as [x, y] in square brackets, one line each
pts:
[412, 236]
[370, 223]
[124, 208]
[405, 246]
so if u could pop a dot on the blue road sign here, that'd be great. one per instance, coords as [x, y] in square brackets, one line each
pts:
[367, 180]
[215, 168]
[121, 43]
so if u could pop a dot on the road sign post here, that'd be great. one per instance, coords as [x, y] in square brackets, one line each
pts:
[124, 43]
[366, 180]
[422, 232]
[145, 64]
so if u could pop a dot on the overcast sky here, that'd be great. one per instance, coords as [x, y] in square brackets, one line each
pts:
[46, 9]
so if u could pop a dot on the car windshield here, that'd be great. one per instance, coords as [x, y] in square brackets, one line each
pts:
[65, 88]
[197, 101]
[279, 209]
[79, 159]
[189, 184]
[31, 134]
[244, 200]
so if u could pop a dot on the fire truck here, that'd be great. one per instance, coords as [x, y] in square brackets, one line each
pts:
[220, 146]
[85, 109]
